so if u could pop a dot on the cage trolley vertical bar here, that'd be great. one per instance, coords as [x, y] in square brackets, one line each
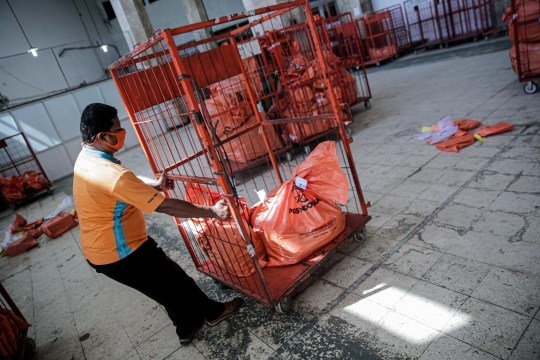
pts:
[524, 31]
[24, 346]
[490, 14]
[424, 20]
[197, 155]
[288, 54]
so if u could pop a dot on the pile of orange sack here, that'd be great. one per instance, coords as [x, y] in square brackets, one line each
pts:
[452, 135]
[15, 188]
[302, 91]
[231, 113]
[297, 218]
[22, 234]
[528, 36]
[11, 330]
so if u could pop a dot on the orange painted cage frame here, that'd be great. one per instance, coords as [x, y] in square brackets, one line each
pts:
[199, 107]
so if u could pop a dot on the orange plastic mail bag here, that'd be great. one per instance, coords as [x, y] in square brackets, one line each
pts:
[294, 222]
[495, 129]
[222, 241]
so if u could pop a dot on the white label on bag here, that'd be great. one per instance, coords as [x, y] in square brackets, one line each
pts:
[262, 195]
[300, 183]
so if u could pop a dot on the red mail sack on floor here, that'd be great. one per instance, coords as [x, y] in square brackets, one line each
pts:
[33, 225]
[460, 140]
[495, 129]
[35, 233]
[59, 225]
[296, 220]
[467, 124]
[17, 223]
[20, 246]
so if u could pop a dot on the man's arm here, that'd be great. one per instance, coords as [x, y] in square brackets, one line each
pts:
[184, 209]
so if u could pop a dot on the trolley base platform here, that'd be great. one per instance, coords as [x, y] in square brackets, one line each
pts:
[282, 280]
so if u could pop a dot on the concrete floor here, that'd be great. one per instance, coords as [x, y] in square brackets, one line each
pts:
[450, 269]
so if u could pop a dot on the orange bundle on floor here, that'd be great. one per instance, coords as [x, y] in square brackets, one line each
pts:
[20, 246]
[59, 225]
[458, 141]
[301, 216]
[495, 129]
[221, 241]
[467, 124]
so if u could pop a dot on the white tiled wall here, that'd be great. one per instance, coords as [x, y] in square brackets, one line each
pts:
[34, 121]
[52, 125]
[66, 115]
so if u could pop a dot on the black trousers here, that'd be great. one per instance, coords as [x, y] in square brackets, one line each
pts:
[150, 271]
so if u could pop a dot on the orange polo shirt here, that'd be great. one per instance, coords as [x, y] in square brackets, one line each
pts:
[110, 201]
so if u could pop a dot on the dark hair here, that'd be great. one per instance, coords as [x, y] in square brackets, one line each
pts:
[96, 118]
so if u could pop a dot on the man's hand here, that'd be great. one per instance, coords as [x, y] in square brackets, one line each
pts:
[221, 210]
[164, 183]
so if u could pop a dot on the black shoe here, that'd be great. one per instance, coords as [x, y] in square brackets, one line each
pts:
[187, 340]
[230, 308]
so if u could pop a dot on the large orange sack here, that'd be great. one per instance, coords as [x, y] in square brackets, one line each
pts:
[495, 129]
[294, 222]
[250, 145]
[59, 225]
[20, 246]
[222, 241]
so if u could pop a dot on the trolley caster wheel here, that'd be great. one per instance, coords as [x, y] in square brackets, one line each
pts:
[530, 87]
[486, 38]
[289, 156]
[475, 39]
[441, 46]
[396, 56]
[367, 105]
[378, 64]
[29, 348]
[361, 235]
[285, 305]
[348, 131]
[306, 149]
[415, 52]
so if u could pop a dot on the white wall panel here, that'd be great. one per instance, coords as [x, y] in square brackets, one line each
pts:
[56, 162]
[8, 126]
[112, 97]
[73, 148]
[65, 115]
[87, 96]
[37, 126]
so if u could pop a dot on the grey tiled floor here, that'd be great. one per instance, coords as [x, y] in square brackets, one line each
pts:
[450, 269]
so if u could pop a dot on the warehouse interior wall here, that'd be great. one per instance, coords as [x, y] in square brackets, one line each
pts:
[52, 26]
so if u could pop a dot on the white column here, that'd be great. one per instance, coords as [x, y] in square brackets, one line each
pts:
[133, 20]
